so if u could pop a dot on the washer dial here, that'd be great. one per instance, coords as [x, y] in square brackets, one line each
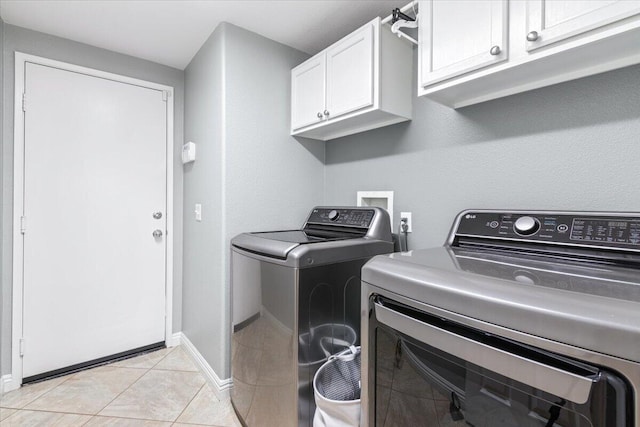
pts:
[526, 225]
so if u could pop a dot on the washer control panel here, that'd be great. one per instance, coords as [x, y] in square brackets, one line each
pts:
[605, 230]
[347, 217]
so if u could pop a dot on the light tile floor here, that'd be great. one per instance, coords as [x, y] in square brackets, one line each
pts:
[162, 388]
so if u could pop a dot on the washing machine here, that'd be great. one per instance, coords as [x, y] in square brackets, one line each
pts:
[296, 301]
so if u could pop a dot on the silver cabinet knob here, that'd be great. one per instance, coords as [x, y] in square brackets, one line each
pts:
[157, 215]
[495, 50]
[319, 115]
[326, 113]
[533, 36]
[157, 233]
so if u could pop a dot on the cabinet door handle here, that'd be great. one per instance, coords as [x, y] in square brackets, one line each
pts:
[326, 113]
[319, 115]
[495, 50]
[533, 36]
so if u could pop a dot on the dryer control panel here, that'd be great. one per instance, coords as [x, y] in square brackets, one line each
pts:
[605, 230]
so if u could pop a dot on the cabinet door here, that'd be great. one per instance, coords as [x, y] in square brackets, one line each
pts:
[456, 37]
[307, 92]
[350, 73]
[549, 21]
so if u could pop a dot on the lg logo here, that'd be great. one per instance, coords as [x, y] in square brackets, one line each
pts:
[469, 216]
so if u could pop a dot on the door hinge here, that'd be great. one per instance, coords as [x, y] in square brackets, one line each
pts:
[165, 95]
[24, 101]
[21, 347]
[23, 224]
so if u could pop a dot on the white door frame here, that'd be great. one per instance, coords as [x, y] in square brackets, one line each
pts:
[18, 200]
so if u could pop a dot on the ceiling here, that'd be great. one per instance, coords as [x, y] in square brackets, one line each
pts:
[170, 32]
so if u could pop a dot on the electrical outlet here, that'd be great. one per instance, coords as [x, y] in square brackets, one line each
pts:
[407, 215]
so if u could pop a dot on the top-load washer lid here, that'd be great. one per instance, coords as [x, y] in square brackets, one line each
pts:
[278, 244]
[345, 231]
[298, 236]
[569, 277]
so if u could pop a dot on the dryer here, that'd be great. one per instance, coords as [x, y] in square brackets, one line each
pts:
[521, 319]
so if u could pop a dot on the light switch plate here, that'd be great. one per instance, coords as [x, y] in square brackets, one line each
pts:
[198, 212]
[188, 152]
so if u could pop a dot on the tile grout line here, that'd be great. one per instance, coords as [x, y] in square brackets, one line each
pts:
[92, 416]
[54, 411]
[127, 388]
[155, 368]
[194, 396]
[17, 411]
[43, 393]
[147, 370]
[131, 385]
[38, 396]
[174, 370]
[189, 403]
[24, 407]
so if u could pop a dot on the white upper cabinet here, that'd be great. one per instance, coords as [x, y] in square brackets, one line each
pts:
[550, 21]
[460, 36]
[308, 92]
[350, 73]
[545, 42]
[359, 83]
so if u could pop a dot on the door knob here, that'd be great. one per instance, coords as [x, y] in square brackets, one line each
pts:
[157, 215]
[533, 36]
[319, 115]
[495, 50]
[326, 113]
[157, 233]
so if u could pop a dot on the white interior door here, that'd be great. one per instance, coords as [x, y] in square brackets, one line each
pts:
[94, 175]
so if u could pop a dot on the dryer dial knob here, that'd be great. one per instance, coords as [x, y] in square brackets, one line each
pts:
[526, 225]
[333, 215]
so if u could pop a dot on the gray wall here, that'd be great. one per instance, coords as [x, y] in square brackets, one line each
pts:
[27, 41]
[203, 309]
[5, 303]
[250, 175]
[572, 146]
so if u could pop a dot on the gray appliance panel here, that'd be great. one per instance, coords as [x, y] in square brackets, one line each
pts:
[263, 340]
[613, 231]
[269, 247]
[311, 255]
[300, 250]
[292, 301]
[560, 302]
[628, 369]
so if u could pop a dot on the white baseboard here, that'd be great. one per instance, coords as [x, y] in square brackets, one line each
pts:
[7, 384]
[221, 387]
[173, 340]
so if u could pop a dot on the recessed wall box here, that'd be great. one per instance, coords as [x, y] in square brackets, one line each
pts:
[380, 199]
